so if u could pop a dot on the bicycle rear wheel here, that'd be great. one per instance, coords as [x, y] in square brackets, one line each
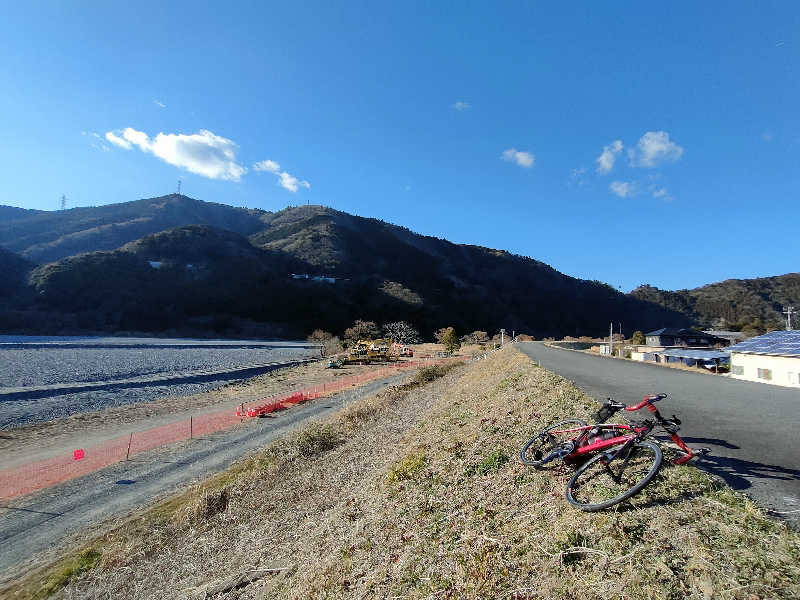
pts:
[600, 483]
[543, 443]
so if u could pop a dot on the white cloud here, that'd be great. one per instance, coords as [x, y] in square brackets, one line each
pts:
[659, 192]
[290, 182]
[606, 160]
[160, 104]
[461, 106]
[118, 141]
[653, 149]
[523, 159]
[95, 140]
[203, 153]
[576, 177]
[270, 166]
[623, 189]
[285, 180]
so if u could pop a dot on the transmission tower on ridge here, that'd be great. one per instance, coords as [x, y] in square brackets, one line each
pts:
[179, 187]
[788, 312]
[63, 201]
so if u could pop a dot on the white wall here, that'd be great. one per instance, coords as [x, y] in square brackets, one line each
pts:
[785, 370]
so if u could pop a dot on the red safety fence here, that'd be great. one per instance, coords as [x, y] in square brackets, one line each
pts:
[24, 479]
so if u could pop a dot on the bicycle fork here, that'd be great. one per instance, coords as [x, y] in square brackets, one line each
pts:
[607, 464]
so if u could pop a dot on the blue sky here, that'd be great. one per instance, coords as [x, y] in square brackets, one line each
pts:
[625, 142]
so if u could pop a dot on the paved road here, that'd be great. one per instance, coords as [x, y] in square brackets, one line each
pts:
[39, 522]
[751, 428]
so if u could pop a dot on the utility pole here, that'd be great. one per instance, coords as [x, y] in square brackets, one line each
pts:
[611, 340]
[788, 312]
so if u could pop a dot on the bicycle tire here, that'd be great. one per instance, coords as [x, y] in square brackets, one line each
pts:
[590, 486]
[542, 443]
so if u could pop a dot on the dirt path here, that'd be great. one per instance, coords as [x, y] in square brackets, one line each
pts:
[39, 522]
[61, 436]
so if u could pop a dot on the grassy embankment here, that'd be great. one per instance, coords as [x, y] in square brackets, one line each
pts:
[417, 492]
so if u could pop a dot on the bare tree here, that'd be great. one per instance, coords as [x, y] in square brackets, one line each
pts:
[402, 332]
[361, 330]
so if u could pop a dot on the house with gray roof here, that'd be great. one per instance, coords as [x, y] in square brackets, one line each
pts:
[674, 336]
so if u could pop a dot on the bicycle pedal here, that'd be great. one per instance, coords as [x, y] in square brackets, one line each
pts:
[702, 451]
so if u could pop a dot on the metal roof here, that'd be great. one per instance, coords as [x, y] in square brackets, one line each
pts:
[697, 354]
[785, 343]
[678, 331]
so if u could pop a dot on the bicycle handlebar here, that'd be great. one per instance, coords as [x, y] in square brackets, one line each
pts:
[647, 400]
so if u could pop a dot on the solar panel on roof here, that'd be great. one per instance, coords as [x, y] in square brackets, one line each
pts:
[774, 342]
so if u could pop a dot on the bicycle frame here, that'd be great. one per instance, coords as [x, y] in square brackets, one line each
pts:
[636, 433]
[583, 448]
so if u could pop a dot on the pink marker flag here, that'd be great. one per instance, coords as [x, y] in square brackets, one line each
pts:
[78, 454]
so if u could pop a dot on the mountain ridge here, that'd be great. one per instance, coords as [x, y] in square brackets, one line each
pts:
[233, 265]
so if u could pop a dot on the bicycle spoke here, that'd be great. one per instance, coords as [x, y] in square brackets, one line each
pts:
[543, 448]
[598, 484]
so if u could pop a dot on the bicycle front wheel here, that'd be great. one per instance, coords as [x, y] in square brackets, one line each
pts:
[542, 444]
[601, 483]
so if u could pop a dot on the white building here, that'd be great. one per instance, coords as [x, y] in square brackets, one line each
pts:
[770, 358]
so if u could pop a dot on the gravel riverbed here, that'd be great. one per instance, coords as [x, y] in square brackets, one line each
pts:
[191, 366]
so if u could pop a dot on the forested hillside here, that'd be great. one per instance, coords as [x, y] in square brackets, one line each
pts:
[754, 305]
[183, 266]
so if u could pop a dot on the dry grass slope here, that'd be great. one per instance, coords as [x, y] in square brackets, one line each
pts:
[417, 493]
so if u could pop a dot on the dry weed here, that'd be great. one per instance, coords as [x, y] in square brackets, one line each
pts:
[423, 498]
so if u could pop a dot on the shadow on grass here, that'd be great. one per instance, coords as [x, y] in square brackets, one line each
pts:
[636, 503]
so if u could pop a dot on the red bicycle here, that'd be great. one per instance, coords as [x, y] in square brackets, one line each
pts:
[624, 462]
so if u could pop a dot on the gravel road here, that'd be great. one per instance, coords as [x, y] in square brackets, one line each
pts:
[41, 521]
[47, 378]
[751, 428]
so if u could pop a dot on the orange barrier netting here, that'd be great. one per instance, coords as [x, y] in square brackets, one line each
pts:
[31, 477]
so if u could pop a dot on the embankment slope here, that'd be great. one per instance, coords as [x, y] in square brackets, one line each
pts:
[417, 492]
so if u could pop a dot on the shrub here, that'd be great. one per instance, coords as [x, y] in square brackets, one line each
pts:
[492, 462]
[317, 439]
[428, 374]
[406, 468]
[71, 568]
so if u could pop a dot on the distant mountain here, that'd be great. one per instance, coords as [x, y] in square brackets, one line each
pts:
[44, 236]
[182, 265]
[8, 213]
[14, 269]
[179, 264]
[733, 303]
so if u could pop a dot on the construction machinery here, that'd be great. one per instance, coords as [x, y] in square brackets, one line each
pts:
[359, 352]
[379, 350]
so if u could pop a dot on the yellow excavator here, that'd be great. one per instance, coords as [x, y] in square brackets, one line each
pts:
[379, 349]
[359, 352]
